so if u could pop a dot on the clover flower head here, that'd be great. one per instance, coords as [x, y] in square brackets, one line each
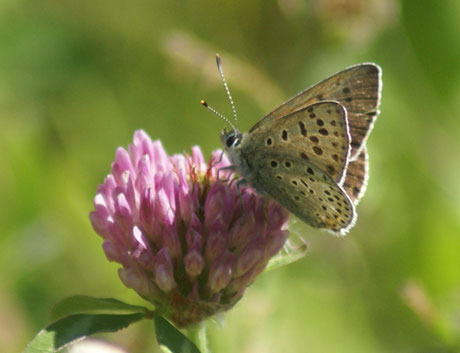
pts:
[183, 239]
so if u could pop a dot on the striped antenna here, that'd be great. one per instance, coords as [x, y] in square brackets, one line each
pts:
[218, 114]
[219, 67]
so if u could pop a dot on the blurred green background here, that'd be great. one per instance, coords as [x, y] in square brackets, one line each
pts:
[76, 80]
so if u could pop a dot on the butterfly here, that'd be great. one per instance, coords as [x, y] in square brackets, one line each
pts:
[310, 153]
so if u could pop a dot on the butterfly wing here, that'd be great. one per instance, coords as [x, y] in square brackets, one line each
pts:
[357, 88]
[317, 134]
[305, 190]
[357, 174]
[300, 160]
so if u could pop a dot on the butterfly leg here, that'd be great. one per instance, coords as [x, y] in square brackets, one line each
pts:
[229, 167]
[233, 179]
[214, 163]
[221, 156]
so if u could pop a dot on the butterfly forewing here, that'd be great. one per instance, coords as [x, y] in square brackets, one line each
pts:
[305, 190]
[317, 135]
[357, 88]
[356, 180]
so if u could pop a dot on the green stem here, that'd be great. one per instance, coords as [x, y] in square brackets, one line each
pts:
[197, 334]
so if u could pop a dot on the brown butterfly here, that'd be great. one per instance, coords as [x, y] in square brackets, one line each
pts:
[310, 154]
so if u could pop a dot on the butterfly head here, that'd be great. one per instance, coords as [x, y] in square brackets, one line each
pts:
[232, 142]
[230, 139]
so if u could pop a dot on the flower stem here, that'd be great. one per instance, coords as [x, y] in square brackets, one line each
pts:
[197, 334]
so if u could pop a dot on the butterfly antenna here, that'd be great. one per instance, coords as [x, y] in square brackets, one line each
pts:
[218, 114]
[219, 67]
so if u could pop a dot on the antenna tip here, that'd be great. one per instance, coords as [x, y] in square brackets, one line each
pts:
[203, 103]
[218, 60]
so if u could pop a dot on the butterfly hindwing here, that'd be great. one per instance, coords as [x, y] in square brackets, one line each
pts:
[305, 190]
[357, 174]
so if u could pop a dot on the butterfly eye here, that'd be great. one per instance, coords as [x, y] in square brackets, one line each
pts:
[230, 140]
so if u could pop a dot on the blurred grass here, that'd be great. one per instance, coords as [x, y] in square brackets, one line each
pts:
[77, 78]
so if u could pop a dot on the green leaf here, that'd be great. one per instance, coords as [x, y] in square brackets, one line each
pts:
[85, 304]
[170, 337]
[73, 328]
